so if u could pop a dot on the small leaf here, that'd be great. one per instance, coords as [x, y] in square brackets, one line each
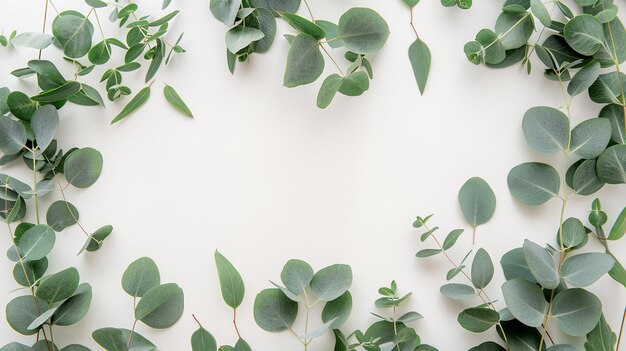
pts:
[296, 275]
[457, 291]
[141, 276]
[451, 238]
[619, 227]
[176, 101]
[337, 311]
[331, 282]
[231, 283]
[583, 79]
[37, 242]
[305, 62]
[420, 57]
[478, 319]
[533, 183]
[584, 34]
[273, 311]
[240, 37]
[58, 286]
[12, 136]
[477, 200]
[328, 90]
[136, 102]
[611, 165]
[541, 265]
[202, 340]
[45, 122]
[161, 307]
[362, 30]
[82, 167]
[482, 269]
[591, 137]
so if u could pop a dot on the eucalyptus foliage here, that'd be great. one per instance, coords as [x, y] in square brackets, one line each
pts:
[360, 32]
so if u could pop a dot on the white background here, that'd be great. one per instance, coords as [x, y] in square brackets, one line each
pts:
[264, 176]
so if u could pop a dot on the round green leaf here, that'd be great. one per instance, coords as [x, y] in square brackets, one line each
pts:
[273, 311]
[202, 340]
[240, 37]
[225, 10]
[584, 34]
[482, 269]
[12, 135]
[546, 129]
[478, 319]
[533, 183]
[514, 28]
[161, 307]
[296, 275]
[83, 167]
[583, 79]
[75, 308]
[525, 301]
[59, 286]
[477, 200]
[100, 53]
[61, 214]
[591, 137]
[141, 276]
[305, 62]
[576, 311]
[231, 283]
[585, 269]
[111, 339]
[573, 233]
[267, 25]
[586, 181]
[457, 291]
[607, 89]
[28, 272]
[74, 33]
[337, 311]
[354, 84]
[45, 122]
[362, 30]
[37, 242]
[331, 282]
[21, 106]
[611, 165]
[22, 311]
[541, 265]
[615, 114]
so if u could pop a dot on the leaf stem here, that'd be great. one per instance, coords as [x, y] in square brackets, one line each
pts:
[621, 331]
[43, 27]
[412, 25]
[235, 322]
[330, 57]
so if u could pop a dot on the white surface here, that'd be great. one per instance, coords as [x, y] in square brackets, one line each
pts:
[265, 176]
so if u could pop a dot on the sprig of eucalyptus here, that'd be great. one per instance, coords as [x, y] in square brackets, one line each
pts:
[73, 33]
[544, 284]
[252, 29]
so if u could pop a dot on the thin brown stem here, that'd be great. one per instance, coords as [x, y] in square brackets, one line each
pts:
[621, 331]
[235, 323]
[309, 9]
[413, 25]
[197, 321]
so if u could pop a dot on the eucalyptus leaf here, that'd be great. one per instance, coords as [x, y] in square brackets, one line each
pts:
[45, 123]
[133, 105]
[478, 201]
[59, 286]
[362, 30]
[74, 33]
[611, 165]
[590, 138]
[583, 79]
[615, 114]
[12, 135]
[231, 283]
[541, 265]
[420, 58]
[296, 275]
[82, 167]
[585, 269]
[22, 311]
[546, 129]
[273, 311]
[328, 90]
[161, 307]
[482, 269]
[576, 311]
[331, 282]
[337, 311]
[176, 101]
[525, 301]
[75, 308]
[202, 340]
[457, 291]
[240, 37]
[533, 183]
[225, 10]
[478, 319]
[584, 34]
[37, 242]
[305, 62]
[141, 276]
[61, 214]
